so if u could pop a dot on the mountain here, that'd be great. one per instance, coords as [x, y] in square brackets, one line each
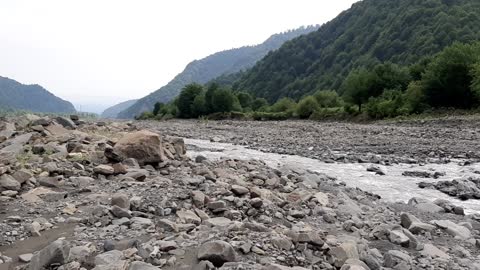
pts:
[113, 111]
[208, 68]
[34, 98]
[371, 31]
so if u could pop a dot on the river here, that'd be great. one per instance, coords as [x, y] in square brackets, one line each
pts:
[391, 187]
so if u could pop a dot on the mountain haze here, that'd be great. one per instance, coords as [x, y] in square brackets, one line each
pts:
[113, 111]
[371, 31]
[35, 98]
[208, 68]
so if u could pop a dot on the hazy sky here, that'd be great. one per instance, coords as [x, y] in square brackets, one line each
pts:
[97, 53]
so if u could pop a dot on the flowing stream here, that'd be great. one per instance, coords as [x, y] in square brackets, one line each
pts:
[392, 187]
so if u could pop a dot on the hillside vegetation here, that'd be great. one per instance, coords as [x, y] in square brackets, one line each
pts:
[208, 68]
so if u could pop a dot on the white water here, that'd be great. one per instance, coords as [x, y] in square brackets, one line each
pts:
[392, 186]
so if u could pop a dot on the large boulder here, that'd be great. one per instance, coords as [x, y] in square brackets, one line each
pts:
[217, 252]
[144, 146]
[55, 253]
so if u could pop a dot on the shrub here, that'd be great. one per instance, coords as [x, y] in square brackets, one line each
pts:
[328, 99]
[283, 105]
[306, 107]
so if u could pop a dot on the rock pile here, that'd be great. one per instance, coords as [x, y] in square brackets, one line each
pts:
[110, 196]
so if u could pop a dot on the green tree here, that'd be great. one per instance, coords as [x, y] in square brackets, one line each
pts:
[157, 108]
[306, 107]
[245, 99]
[476, 80]
[448, 80]
[327, 99]
[186, 98]
[357, 87]
[259, 104]
[212, 88]
[223, 100]
[199, 106]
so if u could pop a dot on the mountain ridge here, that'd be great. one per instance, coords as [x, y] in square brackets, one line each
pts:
[17, 96]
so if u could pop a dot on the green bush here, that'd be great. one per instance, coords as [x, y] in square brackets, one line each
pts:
[283, 105]
[186, 99]
[328, 99]
[306, 107]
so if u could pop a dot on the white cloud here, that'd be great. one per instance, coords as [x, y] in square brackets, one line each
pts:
[106, 51]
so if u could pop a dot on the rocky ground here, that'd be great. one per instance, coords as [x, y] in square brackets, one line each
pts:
[95, 195]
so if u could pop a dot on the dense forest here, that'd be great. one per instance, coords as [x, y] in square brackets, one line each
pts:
[449, 79]
[34, 98]
[206, 69]
[370, 33]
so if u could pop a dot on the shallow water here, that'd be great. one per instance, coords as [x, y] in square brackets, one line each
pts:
[392, 186]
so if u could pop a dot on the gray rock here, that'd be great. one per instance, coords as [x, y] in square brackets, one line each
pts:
[120, 212]
[109, 257]
[26, 258]
[119, 265]
[144, 146]
[239, 190]
[217, 252]
[120, 200]
[188, 216]
[65, 122]
[142, 266]
[394, 257]
[453, 229]
[342, 253]
[104, 169]
[7, 182]
[56, 252]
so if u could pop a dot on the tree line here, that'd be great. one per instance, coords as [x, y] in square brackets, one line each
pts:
[450, 79]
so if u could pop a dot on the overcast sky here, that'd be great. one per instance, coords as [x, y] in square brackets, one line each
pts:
[101, 52]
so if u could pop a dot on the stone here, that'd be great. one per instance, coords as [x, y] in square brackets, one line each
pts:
[166, 245]
[413, 224]
[395, 257]
[217, 222]
[7, 182]
[321, 198]
[55, 253]
[432, 251]
[22, 176]
[144, 146]
[120, 212]
[342, 253]
[217, 206]
[198, 198]
[188, 216]
[120, 245]
[65, 122]
[119, 265]
[167, 225]
[81, 253]
[256, 202]
[120, 200]
[397, 237]
[217, 252]
[142, 266]
[239, 190]
[453, 229]
[25, 258]
[104, 169]
[377, 169]
[272, 266]
[109, 257]
[200, 159]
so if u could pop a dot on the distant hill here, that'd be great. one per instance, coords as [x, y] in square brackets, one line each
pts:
[17, 96]
[371, 31]
[113, 111]
[206, 69]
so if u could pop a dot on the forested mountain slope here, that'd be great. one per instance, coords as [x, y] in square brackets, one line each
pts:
[371, 31]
